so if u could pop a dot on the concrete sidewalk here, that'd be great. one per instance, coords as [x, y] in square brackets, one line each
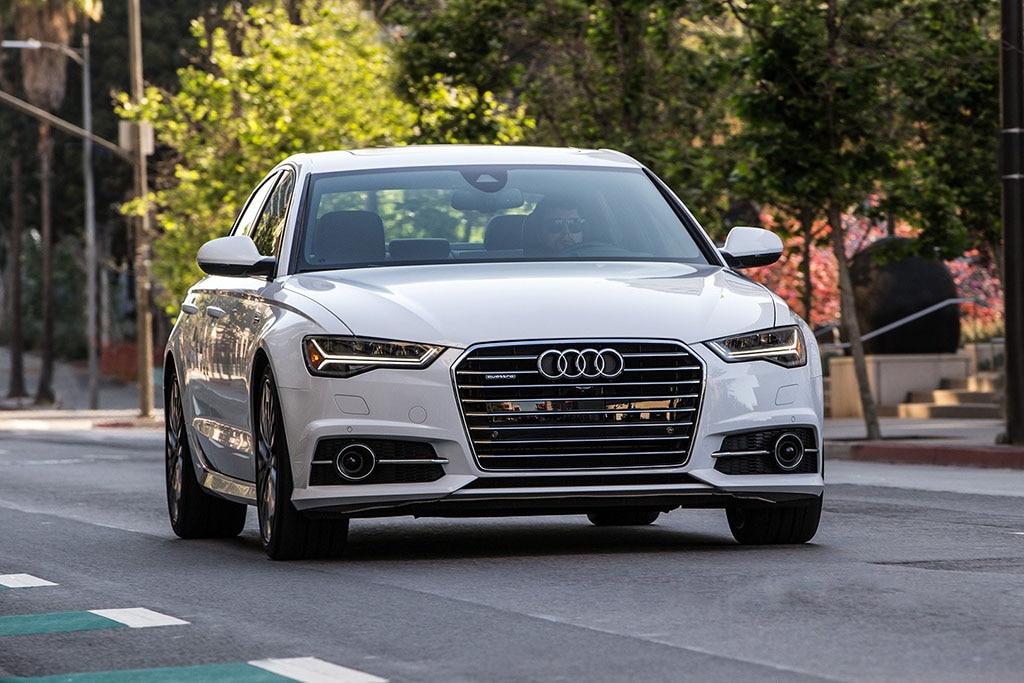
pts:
[969, 443]
[118, 401]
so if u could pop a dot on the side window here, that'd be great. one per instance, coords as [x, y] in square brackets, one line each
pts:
[267, 231]
[247, 219]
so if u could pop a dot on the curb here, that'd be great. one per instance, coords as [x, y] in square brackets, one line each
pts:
[58, 420]
[929, 453]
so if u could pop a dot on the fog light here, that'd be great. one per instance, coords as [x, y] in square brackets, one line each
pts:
[789, 452]
[355, 462]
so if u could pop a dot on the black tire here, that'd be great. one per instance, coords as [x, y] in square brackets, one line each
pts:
[285, 532]
[194, 513]
[788, 523]
[623, 516]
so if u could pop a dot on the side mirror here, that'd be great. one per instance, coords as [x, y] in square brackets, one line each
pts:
[750, 247]
[235, 256]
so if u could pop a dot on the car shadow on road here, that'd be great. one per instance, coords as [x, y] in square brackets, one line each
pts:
[412, 540]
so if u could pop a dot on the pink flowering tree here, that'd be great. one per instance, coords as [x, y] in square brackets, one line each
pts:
[974, 273]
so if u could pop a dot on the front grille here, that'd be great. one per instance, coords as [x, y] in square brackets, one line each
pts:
[644, 415]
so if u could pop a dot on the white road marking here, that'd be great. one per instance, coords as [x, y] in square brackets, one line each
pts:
[313, 670]
[138, 617]
[23, 581]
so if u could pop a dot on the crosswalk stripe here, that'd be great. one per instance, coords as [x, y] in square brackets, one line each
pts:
[63, 622]
[297, 669]
[22, 581]
[313, 670]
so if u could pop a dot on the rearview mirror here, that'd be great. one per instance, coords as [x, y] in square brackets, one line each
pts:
[235, 256]
[487, 202]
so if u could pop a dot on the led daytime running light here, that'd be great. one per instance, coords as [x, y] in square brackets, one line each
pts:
[347, 356]
[782, 345]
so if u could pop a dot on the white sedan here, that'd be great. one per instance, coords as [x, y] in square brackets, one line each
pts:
[484, 330]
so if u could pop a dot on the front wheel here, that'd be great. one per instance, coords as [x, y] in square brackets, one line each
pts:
[783, 523]
[194, 513]
[285, 532]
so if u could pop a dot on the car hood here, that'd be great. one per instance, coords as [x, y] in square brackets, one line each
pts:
[463, 304]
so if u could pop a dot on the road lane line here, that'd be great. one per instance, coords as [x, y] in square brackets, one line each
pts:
[313, 670]
[138, 617]
[22, 581]
[64, 622]
[302, 669]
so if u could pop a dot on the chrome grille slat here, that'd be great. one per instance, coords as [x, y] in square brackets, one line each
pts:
[615, 399]
[619, 425]
[582, 382]
[614, 422]
[483, 373]
[568, 454]
[580, 413]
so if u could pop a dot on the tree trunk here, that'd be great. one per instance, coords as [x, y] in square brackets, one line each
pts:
[806, 225]
[848, 315]
[16, 388]
[44, 391]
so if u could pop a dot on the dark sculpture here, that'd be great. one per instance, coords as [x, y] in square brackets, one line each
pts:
[889, 285]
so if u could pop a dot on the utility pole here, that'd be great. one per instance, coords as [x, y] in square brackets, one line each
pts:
[1011, 76]
[91, 261]
[143, 312]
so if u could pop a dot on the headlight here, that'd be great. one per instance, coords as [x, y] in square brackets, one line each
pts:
[348, 356]
[781, 345]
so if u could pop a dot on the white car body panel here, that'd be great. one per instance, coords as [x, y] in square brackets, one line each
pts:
[235, 322]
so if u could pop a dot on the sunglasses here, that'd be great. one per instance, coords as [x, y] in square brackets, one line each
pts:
[559, 224]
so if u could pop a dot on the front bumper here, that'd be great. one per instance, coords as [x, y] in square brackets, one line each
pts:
[422, 406]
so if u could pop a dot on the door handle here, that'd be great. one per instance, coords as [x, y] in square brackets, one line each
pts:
[215, 312]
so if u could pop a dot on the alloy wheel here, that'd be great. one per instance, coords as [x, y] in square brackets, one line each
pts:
[267, 494]
[174, 435]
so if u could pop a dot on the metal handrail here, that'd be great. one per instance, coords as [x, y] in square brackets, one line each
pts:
[902, 321]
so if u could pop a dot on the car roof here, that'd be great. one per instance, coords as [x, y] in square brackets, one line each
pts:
[444, 155]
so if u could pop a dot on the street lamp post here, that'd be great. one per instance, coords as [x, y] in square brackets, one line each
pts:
[81, 57]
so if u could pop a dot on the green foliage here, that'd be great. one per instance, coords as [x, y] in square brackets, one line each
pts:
[949, 184]
[647, 78]
[817, 109]
[896, 99]
[270, 89]
[69, 340]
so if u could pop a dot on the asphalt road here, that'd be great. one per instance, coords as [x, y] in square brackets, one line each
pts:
[915, 575]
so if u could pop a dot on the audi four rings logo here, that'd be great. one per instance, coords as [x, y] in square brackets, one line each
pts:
[580, 363]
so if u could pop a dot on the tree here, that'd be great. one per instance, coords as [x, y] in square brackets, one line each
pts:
[818, 114]
[645, 77]
[44, 73]
[267, 88]
[949, 80]
[13, 150]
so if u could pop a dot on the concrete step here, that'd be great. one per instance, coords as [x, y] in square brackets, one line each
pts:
[952, 397]
[966, 411]
[983, 381]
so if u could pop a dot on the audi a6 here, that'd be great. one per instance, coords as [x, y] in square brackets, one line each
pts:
[482, 331]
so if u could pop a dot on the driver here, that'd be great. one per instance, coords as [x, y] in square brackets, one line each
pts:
[556, 224]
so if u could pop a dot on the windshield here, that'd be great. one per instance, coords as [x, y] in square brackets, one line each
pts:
[477, 213]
